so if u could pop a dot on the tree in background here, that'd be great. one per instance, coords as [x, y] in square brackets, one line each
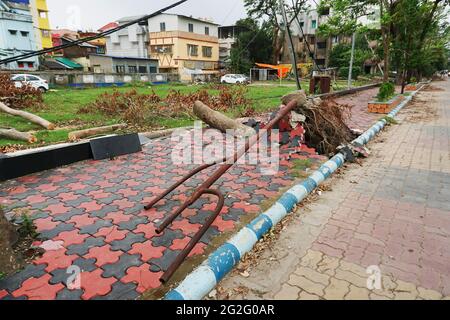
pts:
[410, 30]
[269, 11]
[420, 35]
[340, 57]
[251, 46]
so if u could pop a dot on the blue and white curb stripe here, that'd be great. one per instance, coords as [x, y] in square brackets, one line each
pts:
[205, 278]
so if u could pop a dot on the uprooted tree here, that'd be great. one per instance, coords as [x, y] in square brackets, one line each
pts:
[325, 125]
[13, 100]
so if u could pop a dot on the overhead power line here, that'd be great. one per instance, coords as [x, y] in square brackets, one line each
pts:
[88, 39]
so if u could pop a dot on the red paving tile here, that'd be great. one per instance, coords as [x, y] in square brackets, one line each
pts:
[72, 237]
[94, 285]
[147, 251]
[38, 289]
[57, 259]
[143, 277]
[103, 255]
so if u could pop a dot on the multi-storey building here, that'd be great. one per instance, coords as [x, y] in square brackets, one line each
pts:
[41, 22]
[227, 38]
[305, 27]
[17, 35]
[183, 45]
[128, 42]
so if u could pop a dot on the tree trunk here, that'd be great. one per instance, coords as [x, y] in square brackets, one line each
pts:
[13, 134]
[219, 121]
[76, 135]
[29, 116]
[386, 38]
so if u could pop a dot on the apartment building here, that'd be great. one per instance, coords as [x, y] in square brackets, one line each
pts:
[227, 38]
[305, 27]
[17, 35]
[304, 30]
[41, 22]
[129, 42]
[185, 45]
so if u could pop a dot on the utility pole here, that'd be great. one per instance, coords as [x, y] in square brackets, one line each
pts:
[291, 45]
[352, 58]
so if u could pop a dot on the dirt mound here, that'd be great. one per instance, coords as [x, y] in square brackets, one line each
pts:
[9, 262]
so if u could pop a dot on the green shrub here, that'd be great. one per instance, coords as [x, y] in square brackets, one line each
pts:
[413, 80]
[387, 91]
[356, 72]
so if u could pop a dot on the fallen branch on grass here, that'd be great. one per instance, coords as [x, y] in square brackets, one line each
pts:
[80, 134]
[28, 116]
[219, 121]
[13, 134]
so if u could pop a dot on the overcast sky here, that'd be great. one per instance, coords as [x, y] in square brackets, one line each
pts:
[93, 14]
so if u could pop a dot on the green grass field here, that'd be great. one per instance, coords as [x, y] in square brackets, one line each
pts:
[63, 105]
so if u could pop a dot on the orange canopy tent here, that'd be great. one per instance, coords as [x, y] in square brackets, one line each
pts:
[284, 69]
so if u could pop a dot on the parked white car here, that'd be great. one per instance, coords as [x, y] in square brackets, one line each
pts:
[235, 79]
[28, 79]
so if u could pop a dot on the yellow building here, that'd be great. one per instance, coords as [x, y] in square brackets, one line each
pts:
[184, 45]
[41, 23]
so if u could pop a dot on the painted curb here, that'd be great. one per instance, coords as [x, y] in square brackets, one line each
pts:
[205, 278]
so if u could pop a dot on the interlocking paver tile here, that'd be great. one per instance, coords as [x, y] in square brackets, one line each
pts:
[103, 255]
[121, 291]
[93, 205]
[119, 268]
[83, 248]
[126, 244]
[94, 284]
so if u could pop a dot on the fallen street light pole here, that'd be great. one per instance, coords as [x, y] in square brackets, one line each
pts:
[205, 188]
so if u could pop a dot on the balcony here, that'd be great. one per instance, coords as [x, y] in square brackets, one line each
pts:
[182, 34]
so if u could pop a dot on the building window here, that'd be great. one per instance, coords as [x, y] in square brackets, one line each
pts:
[142, 69]
[207, 31]
[207, 52]
[302, 24]
[13, 32]
[24, 33]
[45, 33]
[162, 26]
[191, 27]
[321, 45]
[153, 69]
[42, 14]
[192, 50]
[163, 49]
[120, 69]
[132, 69]
[314, 24]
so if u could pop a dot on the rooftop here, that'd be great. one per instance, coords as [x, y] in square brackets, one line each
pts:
[128, 19]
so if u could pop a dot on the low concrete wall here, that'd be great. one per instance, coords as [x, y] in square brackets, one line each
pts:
[89, 79]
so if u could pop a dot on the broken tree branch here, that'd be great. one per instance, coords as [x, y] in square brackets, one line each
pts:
[219, 121]
[80, 134]
[13, 134]
[29, 116]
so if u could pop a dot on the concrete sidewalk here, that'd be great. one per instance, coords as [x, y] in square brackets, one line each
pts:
[391, 214]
